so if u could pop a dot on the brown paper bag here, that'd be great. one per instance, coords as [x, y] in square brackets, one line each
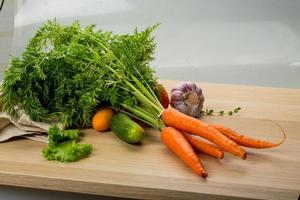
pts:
[23, 127]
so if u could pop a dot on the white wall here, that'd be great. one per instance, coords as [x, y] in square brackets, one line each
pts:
[228, 41]
[6, 32]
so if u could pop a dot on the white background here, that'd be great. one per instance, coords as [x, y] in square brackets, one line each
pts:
[254, 42]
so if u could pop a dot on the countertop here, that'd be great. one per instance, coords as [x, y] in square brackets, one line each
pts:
[151, 171]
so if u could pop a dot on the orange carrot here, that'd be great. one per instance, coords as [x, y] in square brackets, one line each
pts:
[176, 119]
[245, 140]
[176, 142]
[204, 147]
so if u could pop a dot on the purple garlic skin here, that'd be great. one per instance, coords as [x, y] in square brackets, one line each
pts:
[187, 97]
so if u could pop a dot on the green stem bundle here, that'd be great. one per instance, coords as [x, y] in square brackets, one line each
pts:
[67, 72]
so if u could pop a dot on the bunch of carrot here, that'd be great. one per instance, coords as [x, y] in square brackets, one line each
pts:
[181, 137]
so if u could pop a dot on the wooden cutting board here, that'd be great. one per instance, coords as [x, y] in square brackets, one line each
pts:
[151, 171]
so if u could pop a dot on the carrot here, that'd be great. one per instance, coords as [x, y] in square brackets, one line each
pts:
[176, 142]
[245, 140]
[101, 119]
[176, 119]
[204, 147]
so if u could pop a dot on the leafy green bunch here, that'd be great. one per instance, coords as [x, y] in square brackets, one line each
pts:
[67, 72]
[64, 145]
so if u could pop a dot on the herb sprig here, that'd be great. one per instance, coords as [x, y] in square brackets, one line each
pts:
[210, 112]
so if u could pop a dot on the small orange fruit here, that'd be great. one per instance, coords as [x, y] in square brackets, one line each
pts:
[101, 120]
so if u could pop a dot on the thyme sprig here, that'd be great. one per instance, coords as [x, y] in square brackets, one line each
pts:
[210, 112]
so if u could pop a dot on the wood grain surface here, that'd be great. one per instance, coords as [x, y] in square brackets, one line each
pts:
[151, 171]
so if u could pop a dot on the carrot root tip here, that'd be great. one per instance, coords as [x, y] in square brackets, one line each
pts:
[204, 174]
[222, 156]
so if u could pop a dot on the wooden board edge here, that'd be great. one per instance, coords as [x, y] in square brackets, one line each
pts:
[103, 189]
[116, 190]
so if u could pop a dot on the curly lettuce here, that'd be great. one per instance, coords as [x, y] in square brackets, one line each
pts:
[63, 145]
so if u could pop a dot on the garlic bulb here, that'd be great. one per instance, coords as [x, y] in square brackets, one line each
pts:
[187, 97]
